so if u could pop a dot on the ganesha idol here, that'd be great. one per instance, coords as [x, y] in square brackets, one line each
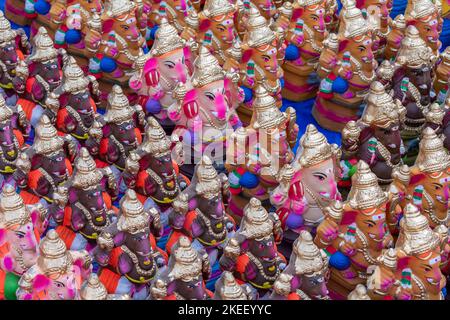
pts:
[256, 153]
[347, 68]
[158, 75]
[206, 112]
[46, 164]
[375, 138]
[127, 249]
[411, 271]
[199, 212]
[306, 33]
[307, 186]
[93, 289]
[227, 288]
[14, 46]
[259, 64]
[185, 275]
[14, 129]
[252, 254]
[354, 233]
[20, 229]
[57, 273]
[83, 206]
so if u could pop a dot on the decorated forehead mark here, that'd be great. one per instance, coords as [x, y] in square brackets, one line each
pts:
[131, 20]
[435, 260]
[444, 180]
[227, 22]
[320, 12]
[272, 51]
[378, 217]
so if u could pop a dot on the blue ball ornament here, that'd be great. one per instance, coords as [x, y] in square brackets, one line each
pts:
[339, 261]
[294, 221]
[248, 94]
[153, 106]
[340, 85]
[292, 53]
[249, 180]
[108, 65]
[73, 36]
[42, 7]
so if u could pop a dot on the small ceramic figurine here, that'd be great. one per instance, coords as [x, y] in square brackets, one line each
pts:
[39, 75]
[360, 293]
[14, 46]
[305, 36]
[227, 288]
[127, 249]
[347, 69]
[394, 37]
[251, 254]
[157, 75]
[84, 206]
[256, 153]
[15, 128]
[57, 274]
[355, 233]
[184, 278]
[175, 11]
[199, 211]
[307, 269]
[382, 284]
[375, 138]
[122, 128]
[307, 186]
[93, 289]
[20, 230]
[440, 84]
[47, 164]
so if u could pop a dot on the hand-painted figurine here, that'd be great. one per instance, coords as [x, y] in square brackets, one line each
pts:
[121, 131]
[355, 233]
[259, 63]
[282, 290]
[199, 211]
[307, 269]
[347, 69]
[127, 249]
[305, 36]
[175, 11]
[157, 76]
[185, 276]
[411, 271]
[440, 84]
[375, 138]
[15, 129]
[307, 186]
[20, 230]
[84, 206]
[251, 254]
[45, 165]
[14, 46]
[394, 37]
[360, 293]
[57, 274]
[93, 289]
[75, 104]
[227, 288]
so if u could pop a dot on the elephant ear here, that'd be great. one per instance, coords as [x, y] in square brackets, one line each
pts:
[349, 217]
[343, 44]
[247, 53]
[416, 177]
[107, 25]
[204, 24]
[297, 13]
[41, 282]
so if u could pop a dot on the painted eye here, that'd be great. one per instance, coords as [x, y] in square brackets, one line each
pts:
[210, 96]
[59, 159]
[124, 27]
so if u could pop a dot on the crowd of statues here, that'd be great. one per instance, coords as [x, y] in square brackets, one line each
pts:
[145, 152]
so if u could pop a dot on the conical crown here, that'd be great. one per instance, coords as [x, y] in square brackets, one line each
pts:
[133, 218]
[118, 108]
[230, 289]
[166, 39]
[46, 139]
[214, 8]
[352, 22]
[335, 210]
[5, 112]
[389, 258]
[184, 262]
[256, 223]
[365, 192]
[266, 115]
[86, 174]
[258, 31]
[74, 78]
[116, 8]
[156, 142]
[315, 147]
[432, 157]
[417, 9]
[13, 210]
[206, 69]
[205, 170]
[53, 258]
[6, 33]
[435, 114]
[308, 258]
[43, 47]
[413, 51]
[93, 289]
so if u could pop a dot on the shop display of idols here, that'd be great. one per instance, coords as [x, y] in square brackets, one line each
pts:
[355, 232]
[375, 138]
[14, 129]
[185, 276]
[307, 30]
[411, 271]
[20, 230]
[127, 249]
[306, 186]
[440, 84]
[347, 68]
[306, 271]
[251, 254]
[227, 288]
[158, 75]
[57, 274]
[46, 164]
[84, 203]
[256, 154]
[394, 37]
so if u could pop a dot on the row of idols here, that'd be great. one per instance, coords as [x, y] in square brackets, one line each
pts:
[107, 191]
